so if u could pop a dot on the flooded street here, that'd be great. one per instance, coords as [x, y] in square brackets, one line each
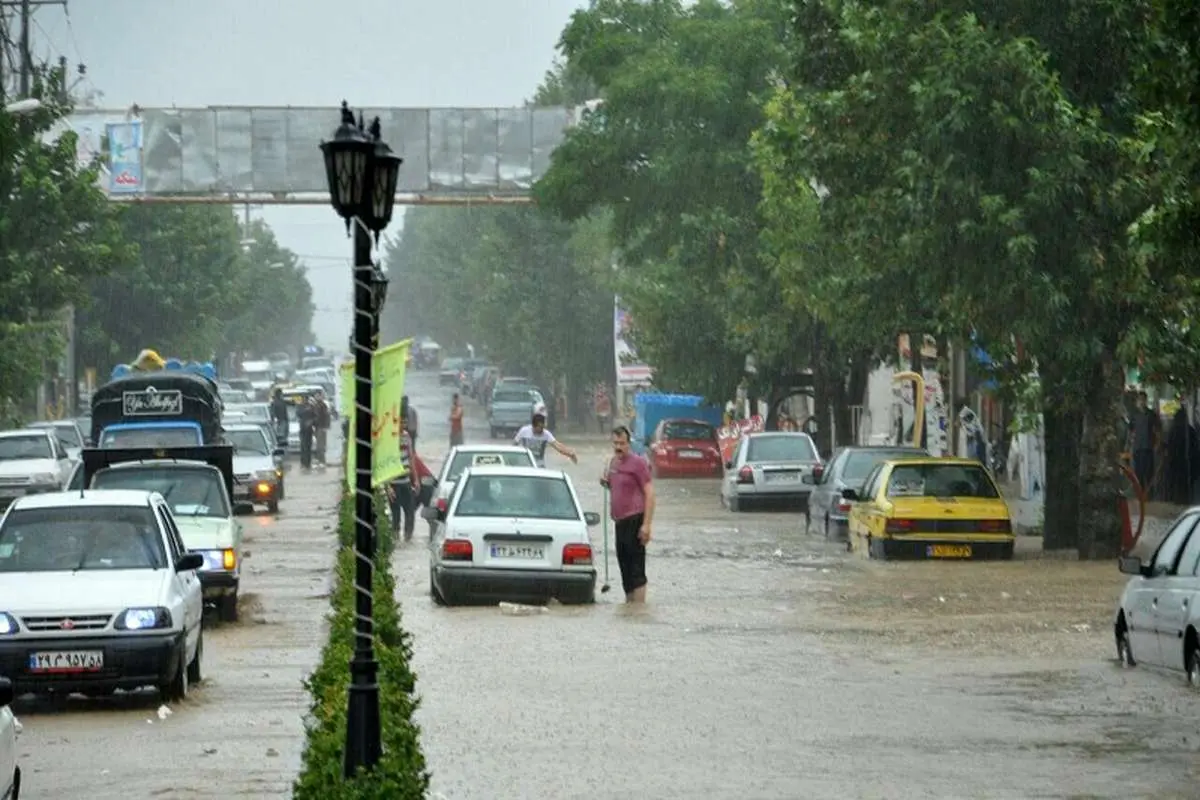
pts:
[769, 665]
[240, 732]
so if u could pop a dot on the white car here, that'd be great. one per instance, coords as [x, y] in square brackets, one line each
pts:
[31, 462]
[98, 593]
[475, 455]
[511, 533]
[10, 773]
[68, 432]
[1158, 620]
[770, 467]
[257, 475]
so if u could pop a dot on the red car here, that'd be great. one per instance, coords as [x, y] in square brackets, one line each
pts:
[684, 448]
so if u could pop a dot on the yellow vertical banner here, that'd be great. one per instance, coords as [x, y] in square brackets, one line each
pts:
[387, 372]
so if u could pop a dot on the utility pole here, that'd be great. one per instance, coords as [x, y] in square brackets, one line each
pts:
[26, 55]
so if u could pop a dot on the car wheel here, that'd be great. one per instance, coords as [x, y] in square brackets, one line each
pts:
[16, 787]
[195, 672]
[1192, 661]
[227, 608]
[177, 689]
[433, 590]
[273, 506]
[1124, 648]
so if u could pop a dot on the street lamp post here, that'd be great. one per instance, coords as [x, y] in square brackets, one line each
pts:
[362, 173]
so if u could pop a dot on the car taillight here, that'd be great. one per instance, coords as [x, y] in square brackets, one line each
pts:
[993, 526]
[579, 555]
[901, 525]
[844, 507]
[441, 505]
[457, 550]
[745, 475]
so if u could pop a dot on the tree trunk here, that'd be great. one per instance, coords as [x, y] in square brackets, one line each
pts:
[1099, 465]
[1060, 526]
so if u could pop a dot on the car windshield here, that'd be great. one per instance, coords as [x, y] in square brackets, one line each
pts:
[513, 396]
[941, 480]
[189, 491]
[247, 443]
[251, 411]
[80, 537]
[780, 448]
[150, 437]
[860, 462]
[508, 459]
[692, 431]
[65, 433]
[516, 496]
[20, 448]
[452, 363]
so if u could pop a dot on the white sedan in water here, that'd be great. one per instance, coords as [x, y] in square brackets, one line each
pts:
[511, 533]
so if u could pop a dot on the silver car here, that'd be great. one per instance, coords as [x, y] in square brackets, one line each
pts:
[847, 469]
[770, 467]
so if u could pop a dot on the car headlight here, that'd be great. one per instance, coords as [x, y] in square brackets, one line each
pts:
[143, 619]
[8, 624]
[43, 478]
[266, 475]
[220, 560]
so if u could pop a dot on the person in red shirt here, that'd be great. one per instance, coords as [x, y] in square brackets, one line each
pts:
[632, 499]
[456, 421]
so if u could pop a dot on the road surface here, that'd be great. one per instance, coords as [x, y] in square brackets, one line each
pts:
[766, 665]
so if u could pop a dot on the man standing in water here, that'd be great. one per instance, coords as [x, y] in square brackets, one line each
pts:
[632, 501]
[456, 421]
[535, 436]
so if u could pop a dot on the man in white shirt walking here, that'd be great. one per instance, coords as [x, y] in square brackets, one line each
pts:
[535, 436]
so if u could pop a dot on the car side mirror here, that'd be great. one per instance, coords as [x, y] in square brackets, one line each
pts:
[851, 495]
[6, 692]
[189, 562]
[243, 509]
[1132, 565]
[591, 518]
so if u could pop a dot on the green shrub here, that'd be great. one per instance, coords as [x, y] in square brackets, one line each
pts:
[401, 771]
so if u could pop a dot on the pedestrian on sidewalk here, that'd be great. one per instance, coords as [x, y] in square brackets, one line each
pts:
[407, 412]
[456, 421]
[307, 415]
[1145, 428]
[632, 503]
[321, 422]
[402, 492]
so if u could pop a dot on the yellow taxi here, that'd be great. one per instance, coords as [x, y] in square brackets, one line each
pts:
[930, 508]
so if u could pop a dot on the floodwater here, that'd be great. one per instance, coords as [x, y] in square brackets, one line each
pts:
[767, 665]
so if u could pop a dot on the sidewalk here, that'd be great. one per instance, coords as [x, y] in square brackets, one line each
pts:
[1028, 519]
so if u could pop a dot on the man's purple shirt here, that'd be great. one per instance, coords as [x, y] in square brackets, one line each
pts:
[627, 479]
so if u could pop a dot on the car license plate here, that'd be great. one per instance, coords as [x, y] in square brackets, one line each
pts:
[66, 661]
[782, 477]
[690, 454]
[524, 552]
[948, 551]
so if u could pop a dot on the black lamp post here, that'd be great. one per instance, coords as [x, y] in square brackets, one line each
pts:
[362, 173]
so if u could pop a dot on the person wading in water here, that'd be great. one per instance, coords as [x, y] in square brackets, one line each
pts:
[632, 501]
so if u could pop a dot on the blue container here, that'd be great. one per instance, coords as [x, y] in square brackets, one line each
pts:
[651, 408]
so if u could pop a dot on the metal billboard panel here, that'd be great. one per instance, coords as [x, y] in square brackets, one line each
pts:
[209, 154]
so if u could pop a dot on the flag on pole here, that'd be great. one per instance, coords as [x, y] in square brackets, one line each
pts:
[387, 368]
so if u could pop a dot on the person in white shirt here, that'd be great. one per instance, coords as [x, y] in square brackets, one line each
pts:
[535, 437]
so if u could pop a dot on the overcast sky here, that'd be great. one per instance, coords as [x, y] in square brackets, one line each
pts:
[308, 53]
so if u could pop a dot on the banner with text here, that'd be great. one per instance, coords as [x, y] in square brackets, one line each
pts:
[631, 371]
[387, 368]
[125, 157]
[729, 435]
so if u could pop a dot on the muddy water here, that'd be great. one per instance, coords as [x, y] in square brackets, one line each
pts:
[239, 733]
[768, 665]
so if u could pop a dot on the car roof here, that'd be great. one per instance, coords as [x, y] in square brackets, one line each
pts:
[686, 421]
[489, 448]
[510, 472]
[887, 448]
[53, 423]
[755, 434]
[938, 461]
[162, 462]
[25, 433]
[89, 497]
